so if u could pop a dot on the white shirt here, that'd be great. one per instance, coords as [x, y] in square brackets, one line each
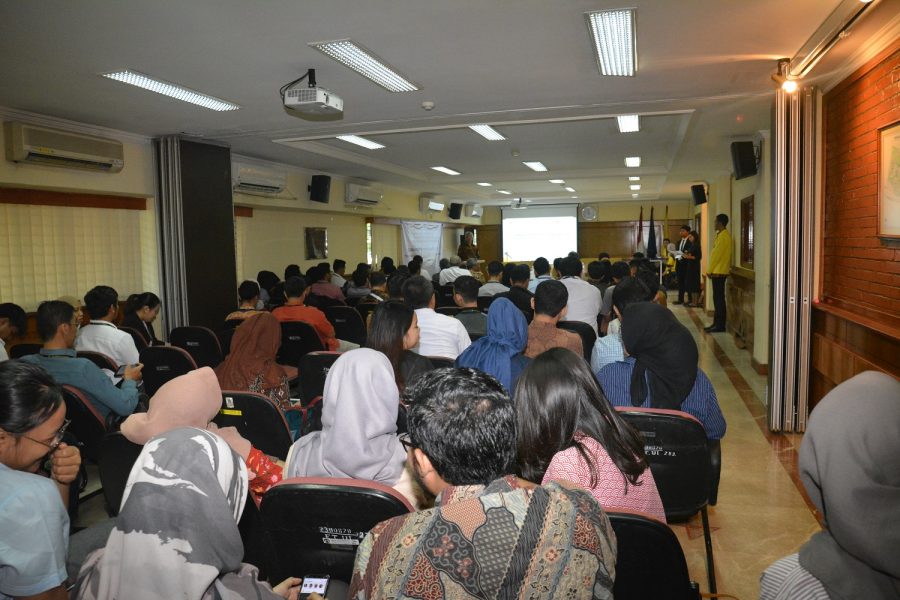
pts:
[106, 338]
[3, 354]
[440, 335]
[338, 280]
[424, 273]
[584, 301]
[491, 288]
[450, 274]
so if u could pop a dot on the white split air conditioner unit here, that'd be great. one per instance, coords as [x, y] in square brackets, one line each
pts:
[474, 210]
[362, 194]
[55, 147]
[430, 203]
[256, 181]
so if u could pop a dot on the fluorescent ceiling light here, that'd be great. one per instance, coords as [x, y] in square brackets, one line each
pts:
[635, 187]
[170, 89]
[632, 161]
[367, 64]
[446, 170]
[574, 197]
[571, 190]
[612, 33]
[629, 123]
[535, 165]
[487, 132]
[361, 141]
[635, 195]
[484, 184]
[634, 178]
[507, 192]
[556, 180]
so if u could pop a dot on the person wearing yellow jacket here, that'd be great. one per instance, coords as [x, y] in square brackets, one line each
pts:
[718, 268]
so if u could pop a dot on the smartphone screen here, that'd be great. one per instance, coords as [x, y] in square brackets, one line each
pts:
[120, 372]
[315, 584]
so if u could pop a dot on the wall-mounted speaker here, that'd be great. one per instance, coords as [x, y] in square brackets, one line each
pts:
[698, 192]
[455, 211]
[319, 188]
[743, 158]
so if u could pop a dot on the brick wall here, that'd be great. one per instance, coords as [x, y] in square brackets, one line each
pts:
[859, 268]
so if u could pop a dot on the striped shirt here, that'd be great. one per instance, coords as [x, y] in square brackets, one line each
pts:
[701, 402]
[785, 579]
[607, 349]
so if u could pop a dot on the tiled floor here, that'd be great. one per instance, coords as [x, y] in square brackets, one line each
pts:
[761, 514]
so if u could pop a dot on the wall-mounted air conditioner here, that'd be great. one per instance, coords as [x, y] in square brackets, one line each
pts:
[474, 210]
[256, 181]
[362, 195]
[430, 203]
[58, 148]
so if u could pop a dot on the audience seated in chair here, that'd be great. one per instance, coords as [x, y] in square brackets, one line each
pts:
[568, 431]
[13, 323]
[493, 285]
[57, 327]
[267, 281]
[600, 274]
[251, 363]
[248, 301]
[294, 309]
[439, 335]
[541, 273]
[436, 276]
[661, 369]
[319, 279]
[848, 465]
[490, 534]
[618, 271]
[499, 353]
[518, 292]
[465, 295]
[140, 312]
[549, 304]
[359, 287]
[394, 332]
[338, 268]
[449, 275]
[585, 300]
[608, 349]
[101, 335]
[378, 286]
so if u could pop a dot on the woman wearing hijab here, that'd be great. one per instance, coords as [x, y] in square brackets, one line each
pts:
[176, 535]
[499, 353]
[251, 363]
[660, 369]
[848, 465]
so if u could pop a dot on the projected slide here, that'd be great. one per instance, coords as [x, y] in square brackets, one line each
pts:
[548, 231]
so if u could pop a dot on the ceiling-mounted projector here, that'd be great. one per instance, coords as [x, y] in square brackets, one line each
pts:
[311, 102]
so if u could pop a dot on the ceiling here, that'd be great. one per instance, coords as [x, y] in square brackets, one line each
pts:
[526, 67]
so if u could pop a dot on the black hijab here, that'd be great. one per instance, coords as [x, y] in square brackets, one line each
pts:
[664, 350]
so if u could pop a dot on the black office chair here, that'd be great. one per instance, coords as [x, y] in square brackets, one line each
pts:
[365, 309]
[584, 331]
[98, 358]
[20, 350]
[87, 425]
[649, 560]
[297, 339]
[441, 362]
[348, 325]
[224, 336]
[484, 303]
[450, 311]
[680, 460]
[201, 343]
[444, 295]
[139, 341]
[163, 364]
[257, 419]
[316, 524]
[117, 457]
[314, 369]
[322, 302]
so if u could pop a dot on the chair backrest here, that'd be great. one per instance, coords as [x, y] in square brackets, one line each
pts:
[201, 343]
[676, 447]
[484, 303]
[365, 309]
[450, 311]
[86, 423]
[297, 339]
[117, 457]
[139, 341]
[257, 419]
[441, 362]
[322, 302]
[348, 325]
[585, 331]
[444, 295]
[316, 524]
[314, 369]
[162, 364]
[98, 358]
[649, 561]
[20, 350]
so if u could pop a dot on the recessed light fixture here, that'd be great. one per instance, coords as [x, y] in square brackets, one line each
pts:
[635, 187]
[507, 192]
[634, 178]
[635, 195]
[571, 190]
[573, 197]
[446, 170]
[629, 123]
[484, 184]
[556, 180]
[632, 161]
[170, 89]
[361, 141]
[366, 63]
[535, 165]
[612, 34]
[487, 132]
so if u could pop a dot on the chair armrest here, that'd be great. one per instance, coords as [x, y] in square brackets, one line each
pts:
[715, 469]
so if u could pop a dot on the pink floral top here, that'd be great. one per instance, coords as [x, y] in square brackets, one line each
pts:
[610, 489]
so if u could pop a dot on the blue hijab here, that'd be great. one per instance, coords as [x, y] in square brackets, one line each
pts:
[499, 352]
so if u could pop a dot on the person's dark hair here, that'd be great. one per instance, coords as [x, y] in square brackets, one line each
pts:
[326, 268]
[390, 322]
[696, 235]
[395, 285]
[507, 274]
[292, 271]
[629, 291]
[467, 287]
[636, 263]
[465, 423]
[414, 266]
[366, 266]
[599, 271]
[294, 287]
[550, 297]
[16, 315]
[135, 302]
[620, 270]
[417, 292]
[520, 274]
[418, 258]
[444, 263]
[50, 315]
[402, 270]
[387, 265]
[267, 280]
[376, 278]
[494, 268]
[556, 263]
[557, 396]
[360, 278]
[541, 266]
[248, 290]
[574, 254]
[686, 228]
[98, 300]
[28, 396]
[339, 265]
[570, 267]
[314, 275]
[723, 219]
[603, 255]
[650, 280]
[638, 256]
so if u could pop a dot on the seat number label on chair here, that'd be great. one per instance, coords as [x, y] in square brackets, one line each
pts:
[341, 538]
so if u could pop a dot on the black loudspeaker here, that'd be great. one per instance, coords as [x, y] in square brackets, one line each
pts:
[699, 193]
[319, 188]
[455, 211]
[743, 157]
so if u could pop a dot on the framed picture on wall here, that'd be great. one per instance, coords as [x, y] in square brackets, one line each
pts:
[747, 232]
[889, 181]
[316, 243]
